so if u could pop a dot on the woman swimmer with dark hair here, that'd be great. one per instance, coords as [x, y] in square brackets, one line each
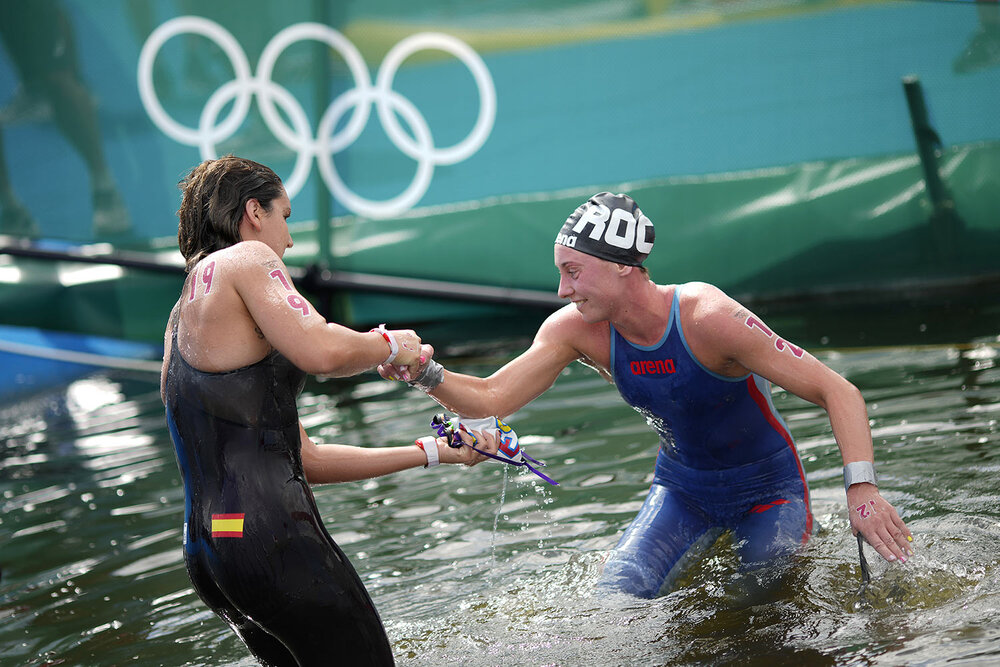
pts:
[237, 349]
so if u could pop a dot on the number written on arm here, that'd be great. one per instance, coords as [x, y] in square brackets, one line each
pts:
[294, 300]
[780, 344]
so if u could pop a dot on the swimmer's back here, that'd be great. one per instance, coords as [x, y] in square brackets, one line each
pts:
[216, 332]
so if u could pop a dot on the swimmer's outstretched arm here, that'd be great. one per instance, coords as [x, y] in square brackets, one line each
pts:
[731, 339]
[290, 323]
[325, 464]
[513, 386]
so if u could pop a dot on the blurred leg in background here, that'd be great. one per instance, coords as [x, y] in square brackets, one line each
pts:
[38, 38]
[983, 50]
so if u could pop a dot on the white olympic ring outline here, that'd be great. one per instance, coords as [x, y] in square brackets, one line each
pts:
[326, 143]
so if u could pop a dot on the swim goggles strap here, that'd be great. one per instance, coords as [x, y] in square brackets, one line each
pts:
[445, 430]
[516, 463]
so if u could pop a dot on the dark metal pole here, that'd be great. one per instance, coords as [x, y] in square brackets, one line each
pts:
[314, 279]
[945, 223]
[928, 141]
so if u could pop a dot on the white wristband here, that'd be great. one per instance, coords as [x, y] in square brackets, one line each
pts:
[430, 447]
[389, 338]
[858, 472]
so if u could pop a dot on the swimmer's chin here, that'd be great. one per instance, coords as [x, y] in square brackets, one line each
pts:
[587, 314]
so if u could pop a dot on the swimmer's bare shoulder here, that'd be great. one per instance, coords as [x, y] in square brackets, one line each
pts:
[219, 329]
[703, 305]
[719, 330]
[248, 268]
[246, 259]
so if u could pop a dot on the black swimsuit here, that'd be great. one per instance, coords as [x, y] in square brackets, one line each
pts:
[254, 543]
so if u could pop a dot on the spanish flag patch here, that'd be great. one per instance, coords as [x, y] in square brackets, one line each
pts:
[227, 525]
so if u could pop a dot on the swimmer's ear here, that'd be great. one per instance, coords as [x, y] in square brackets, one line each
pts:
[252, 212]
[624, 269]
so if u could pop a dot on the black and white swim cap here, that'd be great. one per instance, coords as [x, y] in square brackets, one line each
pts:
[618, 231]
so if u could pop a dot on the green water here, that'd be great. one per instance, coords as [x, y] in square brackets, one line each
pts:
[90, 530]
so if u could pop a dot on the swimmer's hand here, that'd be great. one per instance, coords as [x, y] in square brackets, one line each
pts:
[409, 350]
[878, 523]
[404, 373]
[487, 441]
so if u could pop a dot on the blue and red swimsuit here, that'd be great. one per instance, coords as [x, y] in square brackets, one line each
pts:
[726, 462]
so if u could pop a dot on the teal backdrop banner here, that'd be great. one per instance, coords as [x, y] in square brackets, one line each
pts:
[758, 136]
[533, 97]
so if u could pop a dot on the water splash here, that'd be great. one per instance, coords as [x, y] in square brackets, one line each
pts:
[496, 519]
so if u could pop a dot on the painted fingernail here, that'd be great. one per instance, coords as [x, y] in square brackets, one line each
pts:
[423, 359]
[909, 538]
[891, 558]
[902, 559]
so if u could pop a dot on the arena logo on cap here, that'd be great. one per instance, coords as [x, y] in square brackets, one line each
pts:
[566, 240]
[617, 228]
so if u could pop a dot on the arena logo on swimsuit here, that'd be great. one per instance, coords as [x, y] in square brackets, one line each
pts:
[652, 367]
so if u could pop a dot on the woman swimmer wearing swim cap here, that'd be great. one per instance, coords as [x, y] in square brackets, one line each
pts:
[699, 367]
[237, 349]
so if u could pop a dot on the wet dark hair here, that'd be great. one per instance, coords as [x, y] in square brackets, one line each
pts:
[215, 195]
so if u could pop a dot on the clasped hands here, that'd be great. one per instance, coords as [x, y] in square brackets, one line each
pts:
[404, 370]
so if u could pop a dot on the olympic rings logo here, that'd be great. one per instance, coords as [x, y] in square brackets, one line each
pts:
[326, 142]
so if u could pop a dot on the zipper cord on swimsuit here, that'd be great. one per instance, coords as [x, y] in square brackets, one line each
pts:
[866, 575]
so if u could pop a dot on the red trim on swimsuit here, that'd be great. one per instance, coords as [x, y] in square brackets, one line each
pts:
[765, 410]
